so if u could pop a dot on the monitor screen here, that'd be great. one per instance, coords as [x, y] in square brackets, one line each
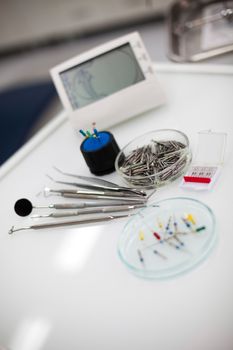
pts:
[101, 76]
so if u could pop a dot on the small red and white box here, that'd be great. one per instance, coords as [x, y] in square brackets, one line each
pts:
[208, 161]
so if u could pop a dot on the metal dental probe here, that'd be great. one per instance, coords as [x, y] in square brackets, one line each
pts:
[92, 195]
[89, 211]
[102, 184]
[68, 223]
[96, 190]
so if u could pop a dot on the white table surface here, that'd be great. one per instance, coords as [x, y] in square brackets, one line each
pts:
[66, 288]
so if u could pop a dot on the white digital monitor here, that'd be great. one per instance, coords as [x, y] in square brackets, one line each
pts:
[108, 84]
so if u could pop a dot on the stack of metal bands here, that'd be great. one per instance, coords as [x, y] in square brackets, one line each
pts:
[155, 163]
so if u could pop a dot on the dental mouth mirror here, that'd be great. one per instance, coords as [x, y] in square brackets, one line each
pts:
[103, 184]
[24, 206]
[68, 223]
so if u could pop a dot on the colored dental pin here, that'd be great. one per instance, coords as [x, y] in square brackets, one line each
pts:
[178, 240]
[168, 223]
[159, 254]
[187, 224]
[140, 256]
[156, 235]
[190, 218]
[141, 235]
[160, 224]
[201, 228]
[175, 224]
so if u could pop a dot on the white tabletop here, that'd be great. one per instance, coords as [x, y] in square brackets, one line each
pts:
[66, 288]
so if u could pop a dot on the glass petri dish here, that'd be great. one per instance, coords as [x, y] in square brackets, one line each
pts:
[168, 238]
[154, 159]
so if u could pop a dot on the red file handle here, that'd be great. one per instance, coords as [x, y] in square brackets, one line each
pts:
[203, 180]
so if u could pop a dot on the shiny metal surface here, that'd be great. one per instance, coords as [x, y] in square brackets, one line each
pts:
[86, 211]
[187, 22]
[91, 220]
